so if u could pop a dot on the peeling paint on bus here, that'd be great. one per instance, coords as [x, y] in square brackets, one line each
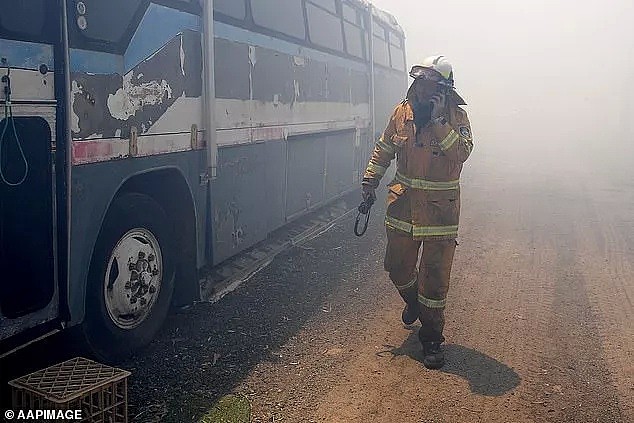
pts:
[106, 106]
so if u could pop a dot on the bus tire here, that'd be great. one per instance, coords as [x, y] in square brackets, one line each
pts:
[131, 278]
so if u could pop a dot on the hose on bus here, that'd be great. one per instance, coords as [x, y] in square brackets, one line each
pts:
[9, 120]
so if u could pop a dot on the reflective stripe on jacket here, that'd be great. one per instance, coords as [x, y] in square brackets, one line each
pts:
[424, 197]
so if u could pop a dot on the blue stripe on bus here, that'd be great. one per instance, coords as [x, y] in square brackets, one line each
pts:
[159, 25]
[244, 36]
[95, 62]
[26, 55]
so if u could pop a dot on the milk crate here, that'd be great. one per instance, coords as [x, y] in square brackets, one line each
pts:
[99, 391]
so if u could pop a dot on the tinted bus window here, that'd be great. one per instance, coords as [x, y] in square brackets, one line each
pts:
[395, 40]
[234, 8]
[378, 30]
[24, 18]
[398, 59]
[285, 16]
[326, 4]
[353, 30]
[396, 51]
[354, 40]
[350, 14]
[381, 56]
[324, 28]
[109, 20]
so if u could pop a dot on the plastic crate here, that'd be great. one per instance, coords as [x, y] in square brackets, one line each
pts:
[99, 391]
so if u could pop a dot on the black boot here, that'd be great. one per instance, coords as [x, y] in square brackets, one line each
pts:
[434, 357]
[410, 313]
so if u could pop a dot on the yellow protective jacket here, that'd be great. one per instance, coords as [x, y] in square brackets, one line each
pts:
[424, 197]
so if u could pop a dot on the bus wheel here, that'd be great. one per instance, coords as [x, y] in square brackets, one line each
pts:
[131, 278]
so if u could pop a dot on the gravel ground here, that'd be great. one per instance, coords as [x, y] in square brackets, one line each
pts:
[207, 351]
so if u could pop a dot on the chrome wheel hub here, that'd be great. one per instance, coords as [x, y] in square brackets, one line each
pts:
[133, 278]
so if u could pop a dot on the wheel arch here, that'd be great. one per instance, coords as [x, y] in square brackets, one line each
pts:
[169, 188]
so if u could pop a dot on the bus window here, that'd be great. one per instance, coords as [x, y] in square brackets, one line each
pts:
[381, 53]
[329, 5]
[324, 28]
[23, 18]
[398, 59]
[354, 40]
[353, 31]
[109, 21]
[395, 40]
[350, 14]
[285, 16]
[378, 30]
[396, 52]
[233, 8]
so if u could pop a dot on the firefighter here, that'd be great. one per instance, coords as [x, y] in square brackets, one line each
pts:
[430, 136]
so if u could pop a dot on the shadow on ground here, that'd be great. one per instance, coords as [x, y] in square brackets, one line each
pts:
[486, 375]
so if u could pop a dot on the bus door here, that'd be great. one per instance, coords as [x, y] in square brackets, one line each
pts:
[31, 93]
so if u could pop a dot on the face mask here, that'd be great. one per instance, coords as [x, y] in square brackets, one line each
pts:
[422, 114]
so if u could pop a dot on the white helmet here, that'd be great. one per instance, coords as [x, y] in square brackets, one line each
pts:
[436, 63]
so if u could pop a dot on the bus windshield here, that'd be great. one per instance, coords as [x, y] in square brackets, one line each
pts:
[20, 19]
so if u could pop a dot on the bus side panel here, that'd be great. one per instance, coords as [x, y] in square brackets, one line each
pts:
[340, 163]
[275, 155]
[279, 110]
[247, 196]
[306, 168]
[262, 186]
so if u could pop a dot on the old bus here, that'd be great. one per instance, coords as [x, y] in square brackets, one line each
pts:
[144, 139]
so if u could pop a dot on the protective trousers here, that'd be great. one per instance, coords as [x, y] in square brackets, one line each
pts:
[429, 285]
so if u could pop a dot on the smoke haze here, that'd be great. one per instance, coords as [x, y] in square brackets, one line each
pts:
[545, 81]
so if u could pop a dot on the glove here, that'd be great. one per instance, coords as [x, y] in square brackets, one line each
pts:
[368, 193]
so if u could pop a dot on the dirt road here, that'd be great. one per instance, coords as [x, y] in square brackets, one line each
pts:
[540, 320]
[540, 317]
